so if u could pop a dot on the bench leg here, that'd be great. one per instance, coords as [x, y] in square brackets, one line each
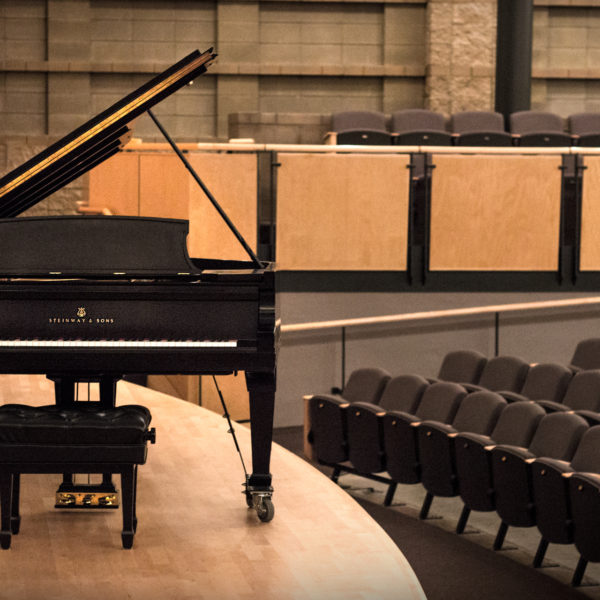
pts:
[128, 477]
[15, 517]
[6, 489]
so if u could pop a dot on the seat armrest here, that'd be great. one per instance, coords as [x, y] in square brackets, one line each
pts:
[592, 417]
[560, 466]
[517, 451]
[550, 406]
[441, 427]
[512, 396]
[330, 138]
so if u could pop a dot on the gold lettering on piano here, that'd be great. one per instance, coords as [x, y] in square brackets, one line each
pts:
[81, 312]
[82, 317]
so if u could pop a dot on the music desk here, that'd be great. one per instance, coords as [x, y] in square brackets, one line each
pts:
[194, 539]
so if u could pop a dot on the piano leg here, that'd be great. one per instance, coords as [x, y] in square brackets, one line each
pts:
[261, 387]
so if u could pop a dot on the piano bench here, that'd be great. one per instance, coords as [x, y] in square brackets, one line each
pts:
[90, 439]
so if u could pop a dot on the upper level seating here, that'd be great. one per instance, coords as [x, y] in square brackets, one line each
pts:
[479, 128]
[360, 127]
[538, 128]
[585, 128]
[417, 126]
[544, 381]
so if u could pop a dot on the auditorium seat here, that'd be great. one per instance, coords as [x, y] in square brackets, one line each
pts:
[418, 126]
[361, 127]
[479, 128]
[544, 381]
[582, 396]
[557, 436]
[538, 128]
[366, 450]
[462, 366]
[550, 481]
[440, 402]
[586, 355]
[516, 426]
[327, 413]
[585, 128]
[478, 414]
[502, 373]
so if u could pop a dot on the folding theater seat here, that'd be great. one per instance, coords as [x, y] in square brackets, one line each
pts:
[478, 414]
[479, 128]
[582, 396]
[365, 426]
[417, 126]
[516, 426]
[550, 481]
[557, 436]
[461, 366]
[506, 373]
[359, 127]
[326, 427]
[538, 128]
[586, 355]
[440, 402]
[544, 381]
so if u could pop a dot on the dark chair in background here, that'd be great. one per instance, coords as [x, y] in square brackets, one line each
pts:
[585, 128]
[544, 381]
[586, 355]
[479, 128]
[327, 413]
[418, 126]
[550, 481]
[478, 414]
[462, 366]
[557, 436]
[366, 450]
[582, 396]
[537, 128]
[516, 426]
[440, 402]
[502, 373]
[360, 127]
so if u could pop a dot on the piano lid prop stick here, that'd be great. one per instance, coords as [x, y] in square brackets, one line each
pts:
[213, 200]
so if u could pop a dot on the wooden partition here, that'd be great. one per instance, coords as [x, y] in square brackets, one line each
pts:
[589, 257]
[495, 213]
[342, 212]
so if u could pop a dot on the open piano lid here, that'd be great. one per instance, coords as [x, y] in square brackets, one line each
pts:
[93, 142]
[90, 246]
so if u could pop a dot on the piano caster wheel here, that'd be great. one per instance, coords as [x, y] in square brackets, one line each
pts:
[5, 540]
[265, 509]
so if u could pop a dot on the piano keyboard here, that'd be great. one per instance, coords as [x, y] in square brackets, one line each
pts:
[117, 344]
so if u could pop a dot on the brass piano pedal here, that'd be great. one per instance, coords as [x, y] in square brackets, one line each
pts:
[86, 500]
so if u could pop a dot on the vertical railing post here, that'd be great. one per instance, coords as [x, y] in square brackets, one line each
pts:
[496, 333]
[343, 358]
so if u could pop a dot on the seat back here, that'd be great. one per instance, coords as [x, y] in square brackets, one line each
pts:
[534, 121]
[403, 393]
[417, 119]
[583, 392]
[479, 412]
[587, 456]
[462, 366]
[558, 435]
[586, 126]
[358, 120]
[517, 424]
[440, 402]
[366, 385]
[473, 121]
[504, 373]
[587, 354]
[547, 381]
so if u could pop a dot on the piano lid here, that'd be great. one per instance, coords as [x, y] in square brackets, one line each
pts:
[94, 246]
[93, 142]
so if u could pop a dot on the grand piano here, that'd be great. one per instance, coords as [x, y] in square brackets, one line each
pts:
[96, 298]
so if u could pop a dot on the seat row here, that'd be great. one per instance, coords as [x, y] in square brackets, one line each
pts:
[535, 461]
[467, 128]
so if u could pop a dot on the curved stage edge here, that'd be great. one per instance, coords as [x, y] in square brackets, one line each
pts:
[196, 539]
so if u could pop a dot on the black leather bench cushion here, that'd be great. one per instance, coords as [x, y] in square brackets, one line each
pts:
[89, 425]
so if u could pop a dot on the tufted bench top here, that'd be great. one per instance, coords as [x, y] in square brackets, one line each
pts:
[23, 424]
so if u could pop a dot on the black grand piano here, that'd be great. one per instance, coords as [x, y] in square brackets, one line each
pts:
[96, 298]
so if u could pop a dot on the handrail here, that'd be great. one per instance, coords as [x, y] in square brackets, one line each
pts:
[436, 314]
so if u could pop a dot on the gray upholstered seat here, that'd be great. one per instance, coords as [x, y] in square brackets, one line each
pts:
[479, 128]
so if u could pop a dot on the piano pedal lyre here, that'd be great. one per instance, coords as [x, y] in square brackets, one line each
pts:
[89, 495]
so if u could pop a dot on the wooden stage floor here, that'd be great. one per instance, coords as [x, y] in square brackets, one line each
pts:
[196, 539]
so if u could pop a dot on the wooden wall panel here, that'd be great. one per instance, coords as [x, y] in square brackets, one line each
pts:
[495, 213]
[589, 259]
[342, 212]
[232, 180]
[114, 184]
